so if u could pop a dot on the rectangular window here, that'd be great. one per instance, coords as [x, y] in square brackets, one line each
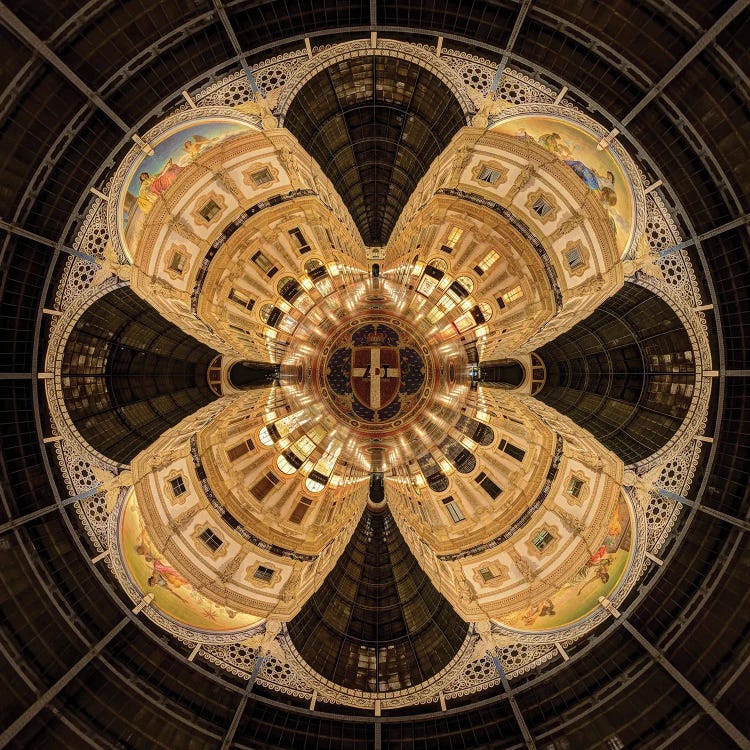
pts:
[512, 450]
[178, 486]
[486, 573]
[486, 262]
[262, 177]
[454, 511]
[264, 485]
[210, 210]
[513, 294]
[264, 574]
[489, 175]
[575, 486]
[299, 240]
[177, 263]
[264, 264]
[487, 485]
[453, 238]
[211, 540]
[236, 297]
[542, 539]
[300, 510]
[239, 450]
[541, 206]
[574, 257]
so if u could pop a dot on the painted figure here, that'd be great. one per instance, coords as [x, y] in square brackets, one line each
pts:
[153, 186]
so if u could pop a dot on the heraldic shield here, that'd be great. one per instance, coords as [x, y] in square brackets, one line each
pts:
[375, 375]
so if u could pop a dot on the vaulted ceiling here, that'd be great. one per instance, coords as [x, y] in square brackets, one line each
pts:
[375, 124]
[78, 81]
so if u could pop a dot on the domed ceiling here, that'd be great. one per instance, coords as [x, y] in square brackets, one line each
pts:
[364, 501]
[380, 381]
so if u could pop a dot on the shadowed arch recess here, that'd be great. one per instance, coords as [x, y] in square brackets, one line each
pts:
[375, 124]
[626, 373]
[377, 623]
[128, 374]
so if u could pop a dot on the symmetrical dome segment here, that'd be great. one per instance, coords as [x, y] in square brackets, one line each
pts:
[388, 466]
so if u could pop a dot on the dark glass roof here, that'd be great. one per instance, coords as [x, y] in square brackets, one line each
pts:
[377, 623]
[128, 374]
[142, 692]
[374, 124]
[626, 373]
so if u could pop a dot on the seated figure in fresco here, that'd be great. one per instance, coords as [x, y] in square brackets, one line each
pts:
[152, 186]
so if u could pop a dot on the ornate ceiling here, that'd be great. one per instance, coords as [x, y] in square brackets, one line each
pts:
[375, 511]
[382, 386]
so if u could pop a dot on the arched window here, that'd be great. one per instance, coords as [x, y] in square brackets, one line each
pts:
[479, 432]
[289, 288]
[274, 317]
[462, 458]
[433, 474]
[319, 275]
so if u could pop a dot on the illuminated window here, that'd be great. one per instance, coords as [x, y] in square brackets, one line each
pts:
[289, 288]
[486, 262]
[264, 264]
[177, 263]
[178, 486]
[454, 511]
[542, 539]
[466, 283]
[513, 294]
[210, 210]
[315, 269]
[475, 317]
[262, 573]
[430, 279]
[210, 539]
[288, 462]
[452, 241]
[270, 314]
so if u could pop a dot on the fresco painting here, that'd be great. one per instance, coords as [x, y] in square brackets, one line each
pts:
[173, 594]
[152, 176]
[579, 596]
[599, 170]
